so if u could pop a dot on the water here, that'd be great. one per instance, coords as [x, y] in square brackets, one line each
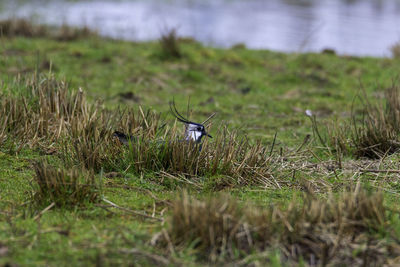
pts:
[351, 27]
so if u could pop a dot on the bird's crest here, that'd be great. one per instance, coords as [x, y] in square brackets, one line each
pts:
[194, 131]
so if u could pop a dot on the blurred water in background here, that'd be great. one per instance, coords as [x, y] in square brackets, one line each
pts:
[353, 27]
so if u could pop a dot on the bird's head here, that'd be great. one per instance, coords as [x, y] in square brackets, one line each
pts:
[194, 131]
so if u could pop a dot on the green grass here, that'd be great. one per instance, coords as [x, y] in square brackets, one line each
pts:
[282, 86]
[258, 92]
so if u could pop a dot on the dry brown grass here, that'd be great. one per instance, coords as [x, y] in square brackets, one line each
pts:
[395, 49]
[372, 133]
[43, 112]
[40, 113]
[336, 231]
[170, 45]
[71, 187]
[57, 119]
[93, 145]
[377, 134]
[243, 162]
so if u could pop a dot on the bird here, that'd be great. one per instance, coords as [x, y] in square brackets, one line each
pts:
[194, 132]
[123, 138]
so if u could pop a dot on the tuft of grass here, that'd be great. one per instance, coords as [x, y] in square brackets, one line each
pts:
[38, 111]
[170, 45]
[92, 143]
[342, 230]
[65, 188]
[395, 49]
[373, 133]
[378, 132]
[243, 162]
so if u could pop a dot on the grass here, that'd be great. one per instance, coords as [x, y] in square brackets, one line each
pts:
[372, 131]
[25, 28]
[62, 188]
[379, 133]
[170, 45]
[214, 79]
[55, 120]
[319, 232]
[395, 49]
[287, 198]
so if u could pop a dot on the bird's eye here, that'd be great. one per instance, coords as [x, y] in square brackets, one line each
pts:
[199, 129]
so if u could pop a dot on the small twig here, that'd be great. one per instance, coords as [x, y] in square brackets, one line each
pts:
[209, 118]
[273, 178]
[144, 117]
[132, 211]
[273, 144]
[43, 211]
[105, 208]
[165, 174]
[157, 258]
[315, 155]
[336, 175]
[168, 239]
[305, 141]
[379, 171]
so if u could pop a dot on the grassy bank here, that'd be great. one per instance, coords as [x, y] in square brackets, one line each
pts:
[265, 189]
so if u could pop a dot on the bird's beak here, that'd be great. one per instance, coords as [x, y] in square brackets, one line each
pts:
[209, 135]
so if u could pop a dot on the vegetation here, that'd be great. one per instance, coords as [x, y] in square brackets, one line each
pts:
[378, 133]
[319, 232]
[25, 28]
[64, 188]
[295, 191]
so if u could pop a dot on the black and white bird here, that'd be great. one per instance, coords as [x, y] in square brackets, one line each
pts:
[193, 131]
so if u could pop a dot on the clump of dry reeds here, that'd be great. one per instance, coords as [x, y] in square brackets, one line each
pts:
[93, 145]
[372, 133]
[72, 187]
[243, 162]
[170, 45]
[36, 112]
[342, 230]
[378, 132]
[395, 49]
[40, 111]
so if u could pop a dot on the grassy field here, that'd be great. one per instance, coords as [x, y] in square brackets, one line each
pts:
[273, 186]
